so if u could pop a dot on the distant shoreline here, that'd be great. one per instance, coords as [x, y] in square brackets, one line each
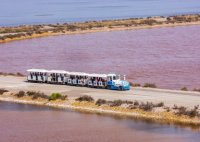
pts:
[8, 34]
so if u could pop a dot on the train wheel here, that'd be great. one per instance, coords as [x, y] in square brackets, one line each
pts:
[120, 88]
[108, 87]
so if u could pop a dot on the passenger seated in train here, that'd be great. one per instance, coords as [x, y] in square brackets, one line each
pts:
[82, 79]
[98, 81]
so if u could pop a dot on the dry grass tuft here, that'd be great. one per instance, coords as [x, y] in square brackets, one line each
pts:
[3, 91]
[150, 85]
[20, 94]
[85, 98]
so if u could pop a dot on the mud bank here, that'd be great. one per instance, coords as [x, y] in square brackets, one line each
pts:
[157, 116]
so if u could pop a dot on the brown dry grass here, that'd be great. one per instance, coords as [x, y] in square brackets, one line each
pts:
[34, 31]
[164, 116]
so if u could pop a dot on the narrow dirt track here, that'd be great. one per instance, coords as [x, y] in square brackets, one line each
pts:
[169, 97]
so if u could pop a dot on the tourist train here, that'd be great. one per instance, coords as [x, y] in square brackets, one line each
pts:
[107, 81]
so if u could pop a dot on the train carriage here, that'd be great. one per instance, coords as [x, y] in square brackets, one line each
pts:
[37, 75]
[77, 78]
[97, 80]
[57, 76]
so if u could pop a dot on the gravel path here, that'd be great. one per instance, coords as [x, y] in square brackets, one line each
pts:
[169, 97]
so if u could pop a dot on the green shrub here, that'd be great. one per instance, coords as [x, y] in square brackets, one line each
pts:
[3, 91]
[85, 98]
[20, 94]
[55, 96]
[150, 85]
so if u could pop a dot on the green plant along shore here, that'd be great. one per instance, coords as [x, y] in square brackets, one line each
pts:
[145, 110]
[31, 31]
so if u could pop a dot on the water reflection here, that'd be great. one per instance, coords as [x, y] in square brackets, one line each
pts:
[64, 125]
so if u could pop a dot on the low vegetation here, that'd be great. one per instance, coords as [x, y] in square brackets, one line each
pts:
[100, 102]
[34, 30]
[150, 85]
[56, 96]
[136, 103]
[197, 90]
[191, 113]
[135, 84]
[3, 91]
[161, 104]
[148, 106]
[85, 98]
[11, 74]
[36, 95]
[177, 113]
[184, 89]
[167, 109]
[20, 94]
[115, 103]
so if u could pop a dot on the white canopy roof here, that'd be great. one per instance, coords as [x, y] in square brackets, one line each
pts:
[111, 74]
[97, 75]
[58, 71]
[71, 73]
[37, 70]
[78, 73]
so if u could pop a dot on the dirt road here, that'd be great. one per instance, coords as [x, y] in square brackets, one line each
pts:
[169, 97]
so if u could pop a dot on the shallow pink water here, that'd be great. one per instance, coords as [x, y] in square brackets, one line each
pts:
[169, 57]
[26, 123]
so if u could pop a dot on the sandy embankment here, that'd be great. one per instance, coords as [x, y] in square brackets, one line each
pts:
[103, 29]
[169, 97]
[107, 28]
[155, 116]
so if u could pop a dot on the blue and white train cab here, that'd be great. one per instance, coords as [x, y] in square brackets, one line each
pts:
[115, 83]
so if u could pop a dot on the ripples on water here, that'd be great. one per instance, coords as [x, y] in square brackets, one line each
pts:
[52, 11]
[33, 123]
[169, 57]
